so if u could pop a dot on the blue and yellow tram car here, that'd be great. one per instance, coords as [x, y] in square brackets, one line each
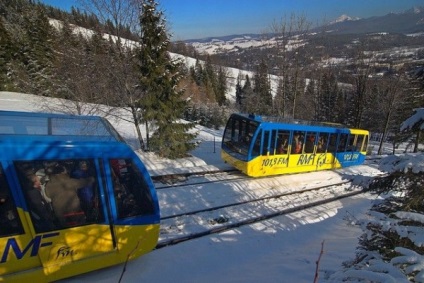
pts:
[264, 146]
[74, 197]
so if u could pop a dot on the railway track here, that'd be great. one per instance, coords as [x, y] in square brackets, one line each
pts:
[170, 180]
[197, 215]
[218, 176]
[251, 201]
[204, 204]
[194, 224]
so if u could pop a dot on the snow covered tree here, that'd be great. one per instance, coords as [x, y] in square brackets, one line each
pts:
[415, 123]
[81, 73]
[390, 249]
[69, 77]
[162, 104]
[413, 102]
[38, 51]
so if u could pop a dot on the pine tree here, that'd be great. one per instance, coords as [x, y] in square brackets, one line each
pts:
[412, 98]
[162, 104]
[6, 56]
[38, 51]
[198, 73]
[280, 100]
[209, 80]
[239, 93]
[262, 90]
[416, 79]
[68, 64]
[289, 94]
[308, 102]
[221, 86]
[328, 98]
[248, 96]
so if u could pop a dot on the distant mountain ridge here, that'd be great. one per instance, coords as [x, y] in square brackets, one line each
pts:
[407, 22]
[344, 18]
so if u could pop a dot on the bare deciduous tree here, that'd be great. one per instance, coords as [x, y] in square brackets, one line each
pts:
[289, 36]
[363, 65]
[127, 93]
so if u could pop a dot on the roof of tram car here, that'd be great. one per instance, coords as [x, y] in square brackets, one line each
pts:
[291, 121]
[31, 126]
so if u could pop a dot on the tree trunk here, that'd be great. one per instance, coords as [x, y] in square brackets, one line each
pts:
[147, 136]
[137, 127]
[140, 138]
[417, 141]
[386, 127]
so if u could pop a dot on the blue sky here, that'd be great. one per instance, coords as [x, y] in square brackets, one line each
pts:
[189, 19]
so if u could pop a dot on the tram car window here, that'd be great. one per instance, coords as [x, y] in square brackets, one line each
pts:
[298, 140]
[273, 142]
[132, 195]
[322, 142]
[351, 143]
[361, 143]
[342, 142]
[257, 144]
[283, 137]
[310, 142]
[265, 144]
[238, 135]
[60, 193]
[332, 144]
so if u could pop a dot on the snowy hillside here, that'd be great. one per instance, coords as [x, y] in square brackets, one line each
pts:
[233, 73]
[188, 61]
[217, 45]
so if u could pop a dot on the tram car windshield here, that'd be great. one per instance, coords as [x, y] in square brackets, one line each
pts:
[74, 197]
[263, 146]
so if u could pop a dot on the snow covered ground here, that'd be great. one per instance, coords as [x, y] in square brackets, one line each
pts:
[282, 249]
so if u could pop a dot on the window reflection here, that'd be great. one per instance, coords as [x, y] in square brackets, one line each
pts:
[132, 194]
